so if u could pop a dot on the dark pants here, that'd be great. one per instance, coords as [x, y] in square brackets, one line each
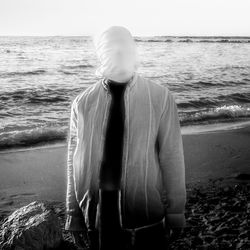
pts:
[143, 240]
[110, 235]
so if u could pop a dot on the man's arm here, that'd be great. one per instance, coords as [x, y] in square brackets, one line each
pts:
[74, 217]
[171, 157]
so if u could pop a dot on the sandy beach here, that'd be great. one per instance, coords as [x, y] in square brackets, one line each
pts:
[214, 157]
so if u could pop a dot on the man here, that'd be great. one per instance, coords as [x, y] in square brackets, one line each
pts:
[149, 192]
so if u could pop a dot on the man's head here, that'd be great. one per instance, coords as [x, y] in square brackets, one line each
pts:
[116, 52]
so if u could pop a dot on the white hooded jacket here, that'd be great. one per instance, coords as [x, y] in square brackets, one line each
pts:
[153, 169]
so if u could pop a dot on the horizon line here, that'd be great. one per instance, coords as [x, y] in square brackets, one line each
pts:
[231, 36]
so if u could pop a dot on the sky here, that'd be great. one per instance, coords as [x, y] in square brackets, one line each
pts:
[141, 17]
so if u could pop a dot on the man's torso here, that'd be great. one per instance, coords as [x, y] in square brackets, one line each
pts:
[141, 184]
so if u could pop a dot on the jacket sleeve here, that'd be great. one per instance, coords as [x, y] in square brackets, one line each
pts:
[171, 160]
[74, 217]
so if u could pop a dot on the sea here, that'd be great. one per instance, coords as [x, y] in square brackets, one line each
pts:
[40, 76]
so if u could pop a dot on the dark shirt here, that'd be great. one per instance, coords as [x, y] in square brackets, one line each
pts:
[111, 167]
[110, 171]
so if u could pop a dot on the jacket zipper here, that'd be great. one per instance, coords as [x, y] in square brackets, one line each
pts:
[123, 177]
[106, 114]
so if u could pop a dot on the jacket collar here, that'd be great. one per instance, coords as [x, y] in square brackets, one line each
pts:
[130, 84]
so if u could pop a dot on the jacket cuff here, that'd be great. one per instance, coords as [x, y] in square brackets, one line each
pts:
[175, 220]
[74, 223]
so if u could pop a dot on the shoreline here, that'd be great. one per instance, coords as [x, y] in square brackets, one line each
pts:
[209, 153]
[214, 127]
[185, 130]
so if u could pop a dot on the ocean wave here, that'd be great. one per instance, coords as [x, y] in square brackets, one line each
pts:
[195, 40]
[32, 137]
[67, 72]
[239, 97]
[45, 99]
[223, 113]
[225, 41]
[24, 73]
[207, 83]
[35, 96]
[78, 66]
[48, 135]
[216, 101]
[73, 69]
[200, 103]
[203, 84]
[213, 41]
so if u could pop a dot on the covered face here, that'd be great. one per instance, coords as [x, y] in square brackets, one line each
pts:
[116, 52]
